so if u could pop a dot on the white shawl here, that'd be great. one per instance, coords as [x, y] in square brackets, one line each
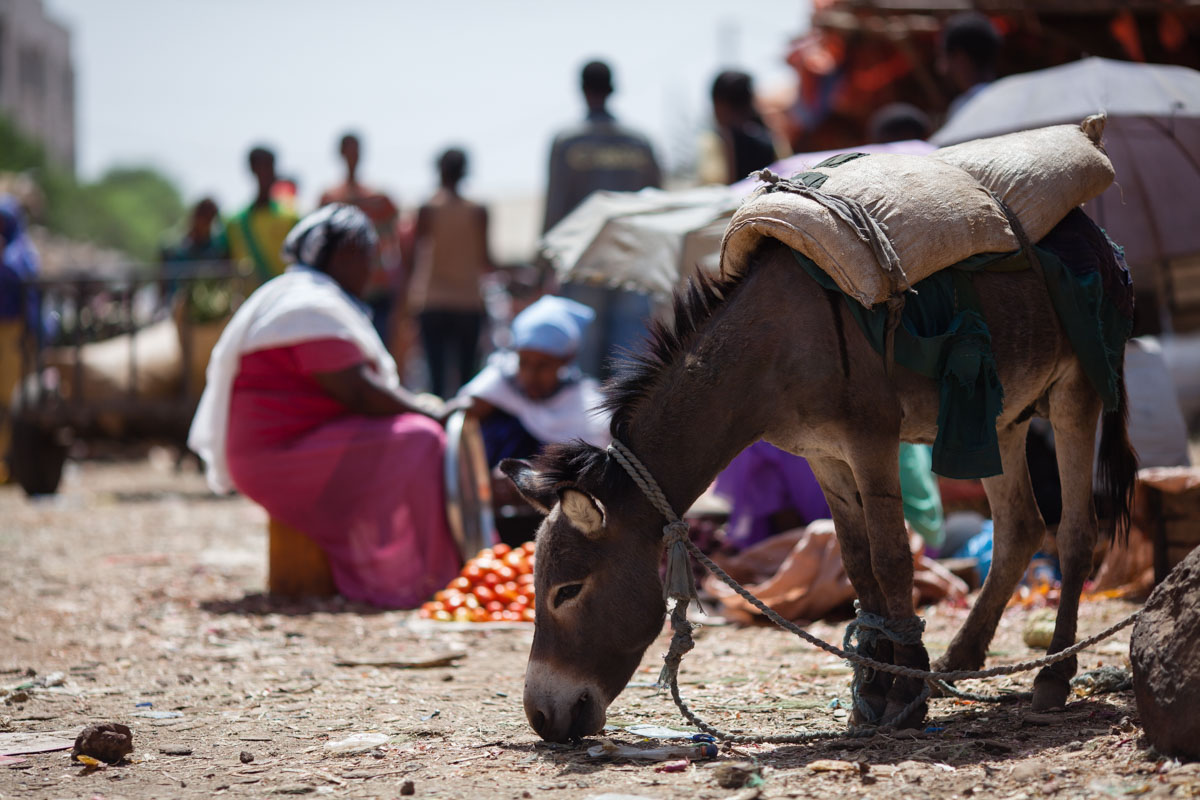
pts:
[300, 305]
[570, 413]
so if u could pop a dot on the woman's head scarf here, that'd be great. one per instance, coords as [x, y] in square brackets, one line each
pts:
[552, 325]
[315, 238]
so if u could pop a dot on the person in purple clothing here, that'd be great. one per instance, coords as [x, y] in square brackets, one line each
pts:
[770, 491]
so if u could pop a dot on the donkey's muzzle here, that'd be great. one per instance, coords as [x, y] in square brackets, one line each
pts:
[561, 710]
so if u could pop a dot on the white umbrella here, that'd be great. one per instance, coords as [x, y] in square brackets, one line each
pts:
[1152, 138]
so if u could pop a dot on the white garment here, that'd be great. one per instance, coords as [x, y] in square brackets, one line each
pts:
[300, 305]
[572, 412]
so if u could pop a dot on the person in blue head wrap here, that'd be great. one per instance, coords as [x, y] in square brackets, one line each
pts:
[534, 394]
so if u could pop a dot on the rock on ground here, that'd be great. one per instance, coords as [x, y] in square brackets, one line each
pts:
[1165, 654]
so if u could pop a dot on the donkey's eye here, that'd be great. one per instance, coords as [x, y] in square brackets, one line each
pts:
[567, 592]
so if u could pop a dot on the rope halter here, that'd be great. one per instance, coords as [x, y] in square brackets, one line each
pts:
[679, 584]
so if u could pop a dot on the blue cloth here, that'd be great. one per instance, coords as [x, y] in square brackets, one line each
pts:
[552, 325]
[505, 437]
[18, 263]
[979, 547]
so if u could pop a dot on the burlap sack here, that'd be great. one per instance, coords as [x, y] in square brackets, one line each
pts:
[933, 215]
[1040, 174]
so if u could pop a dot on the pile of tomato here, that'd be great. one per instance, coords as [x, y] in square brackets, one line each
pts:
[494, 586]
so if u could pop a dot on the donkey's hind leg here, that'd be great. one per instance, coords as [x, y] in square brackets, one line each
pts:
[1074, 409]
[1018, 531]
[845, 506]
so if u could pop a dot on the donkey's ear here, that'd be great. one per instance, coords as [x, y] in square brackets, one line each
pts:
[583, 511]
[525, 478]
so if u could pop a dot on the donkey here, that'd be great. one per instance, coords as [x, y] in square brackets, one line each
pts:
[772, 355]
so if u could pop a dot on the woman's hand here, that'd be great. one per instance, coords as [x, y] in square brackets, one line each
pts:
[436, 408]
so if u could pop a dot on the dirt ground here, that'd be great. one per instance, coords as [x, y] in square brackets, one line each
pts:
[143, 591]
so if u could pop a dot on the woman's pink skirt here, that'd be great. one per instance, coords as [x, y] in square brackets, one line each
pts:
[369, 491]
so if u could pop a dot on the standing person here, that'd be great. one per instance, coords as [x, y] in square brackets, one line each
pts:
[598, 154]
[740, 143]
[256, 234]
[601, 154]
[384, 282]
[450, 256]
[204, 240]
[970, 53]
[303, 412]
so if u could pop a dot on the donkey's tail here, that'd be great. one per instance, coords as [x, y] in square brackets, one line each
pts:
[1117, 464]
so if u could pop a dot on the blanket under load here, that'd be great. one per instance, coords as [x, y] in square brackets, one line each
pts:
[878, 224]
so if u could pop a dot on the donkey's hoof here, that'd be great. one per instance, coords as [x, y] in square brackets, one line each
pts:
[1050, 690]
[914, 719]
[875, 702]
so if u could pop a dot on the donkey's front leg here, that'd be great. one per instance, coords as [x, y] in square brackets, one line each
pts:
[878, 478]
[845, 506]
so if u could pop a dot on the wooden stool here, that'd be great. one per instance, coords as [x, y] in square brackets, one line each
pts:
[296, 566]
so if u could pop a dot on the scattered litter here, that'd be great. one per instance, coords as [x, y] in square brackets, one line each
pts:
[53, 679]
[659, 732]
[394, 663]
[699, 751]
[90, 764]
[146, 704]
[1039, 629]
[10, 760]
[109, 742]
[431, 715]
[833, 765]
[356, 743]
[20, 743]
[674, 766]
[1101, 681]
[157, 714]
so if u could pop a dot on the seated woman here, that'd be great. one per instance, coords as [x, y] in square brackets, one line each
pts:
[533, 394]
[303, 412]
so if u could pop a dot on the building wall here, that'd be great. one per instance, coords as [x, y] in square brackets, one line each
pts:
[37, 80]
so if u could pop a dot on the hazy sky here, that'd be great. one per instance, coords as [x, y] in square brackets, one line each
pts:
[189, 85]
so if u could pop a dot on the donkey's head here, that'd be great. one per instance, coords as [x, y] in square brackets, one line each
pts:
[598, 595]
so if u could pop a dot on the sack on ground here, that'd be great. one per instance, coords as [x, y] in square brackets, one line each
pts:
[1039, 174]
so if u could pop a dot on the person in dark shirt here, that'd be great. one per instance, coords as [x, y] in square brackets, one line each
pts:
[598, 154]
[742, 144]
[970, 52]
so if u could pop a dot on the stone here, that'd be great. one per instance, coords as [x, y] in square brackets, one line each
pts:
[1164, 651]
[109, 742]
[175, 750]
